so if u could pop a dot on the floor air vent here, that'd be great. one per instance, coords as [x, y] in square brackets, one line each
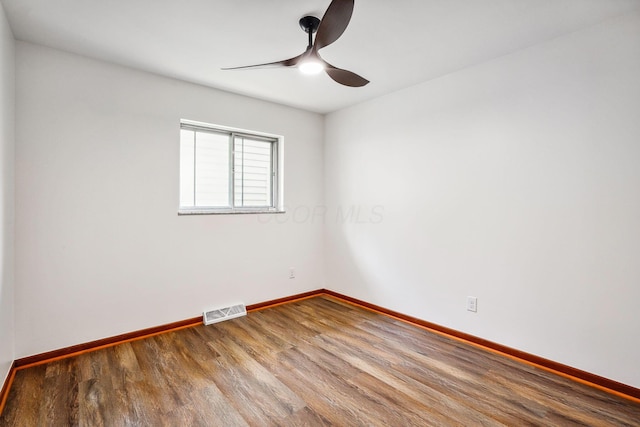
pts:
[226, 313]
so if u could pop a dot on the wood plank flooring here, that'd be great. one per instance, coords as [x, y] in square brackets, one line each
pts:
[315, 362]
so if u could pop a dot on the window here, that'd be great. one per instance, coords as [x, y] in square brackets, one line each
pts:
[227, 171]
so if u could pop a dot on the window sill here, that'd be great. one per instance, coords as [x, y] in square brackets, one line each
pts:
[188, 211]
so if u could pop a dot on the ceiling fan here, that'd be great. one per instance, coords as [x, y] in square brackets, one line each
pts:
[329, 29]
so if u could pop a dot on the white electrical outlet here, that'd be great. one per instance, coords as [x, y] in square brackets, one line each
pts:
[472, 304]
[292, 273]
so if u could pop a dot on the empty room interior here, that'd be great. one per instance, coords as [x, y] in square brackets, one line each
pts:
[438, 225]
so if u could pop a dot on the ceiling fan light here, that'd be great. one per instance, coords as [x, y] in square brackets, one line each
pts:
[311, 66]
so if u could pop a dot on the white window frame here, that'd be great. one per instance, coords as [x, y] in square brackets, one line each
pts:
[277, 155]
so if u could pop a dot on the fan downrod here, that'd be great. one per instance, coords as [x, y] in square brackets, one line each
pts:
[309, 24]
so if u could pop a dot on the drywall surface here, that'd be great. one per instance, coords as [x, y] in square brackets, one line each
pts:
[7, 150]
[100, 248]
[515, 181]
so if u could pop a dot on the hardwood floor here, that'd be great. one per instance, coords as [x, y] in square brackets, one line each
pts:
[313, 362]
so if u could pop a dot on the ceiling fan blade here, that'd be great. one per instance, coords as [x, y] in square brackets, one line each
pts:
[344, 77]
[333, 23]
[291, 62]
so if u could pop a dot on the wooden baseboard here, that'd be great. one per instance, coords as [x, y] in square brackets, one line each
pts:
[575, 374]
[74, 350]
[606, 384]
[285, 300]
[50, 356]
[4, 393]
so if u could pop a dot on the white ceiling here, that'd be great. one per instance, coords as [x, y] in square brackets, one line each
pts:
[395, 44]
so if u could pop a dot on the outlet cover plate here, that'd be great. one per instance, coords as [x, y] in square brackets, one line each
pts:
[472, 304]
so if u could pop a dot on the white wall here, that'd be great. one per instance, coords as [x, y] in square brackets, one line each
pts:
[101, 250]
[7, 155]
[516, 181]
